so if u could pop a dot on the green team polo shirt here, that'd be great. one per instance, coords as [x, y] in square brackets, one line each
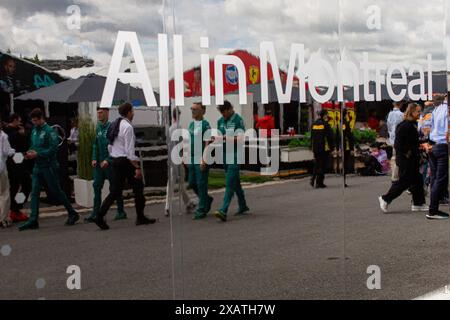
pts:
[228, 128]
[197, 130]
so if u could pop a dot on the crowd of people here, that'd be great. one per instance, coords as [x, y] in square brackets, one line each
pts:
[231, 126]
[419, 139]
[114, 159]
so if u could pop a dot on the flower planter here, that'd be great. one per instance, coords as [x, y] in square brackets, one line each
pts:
[84, 192]
[290, 155]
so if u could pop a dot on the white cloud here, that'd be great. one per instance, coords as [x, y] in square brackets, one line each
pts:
[409, 30]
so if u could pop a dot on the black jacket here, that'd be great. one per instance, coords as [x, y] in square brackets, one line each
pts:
[18, 142]
[321, 137]
[407, 144]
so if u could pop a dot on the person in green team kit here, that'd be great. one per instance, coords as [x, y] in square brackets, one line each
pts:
[198, 169]
[228, 125]
[101, 161]
[44, 147]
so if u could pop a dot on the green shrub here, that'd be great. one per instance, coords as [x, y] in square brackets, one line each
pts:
[364, 136]
[304, 142]
[86, 138]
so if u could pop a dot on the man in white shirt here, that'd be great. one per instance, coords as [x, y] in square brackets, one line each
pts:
[125, 167]
[5, 152]
[394, 118]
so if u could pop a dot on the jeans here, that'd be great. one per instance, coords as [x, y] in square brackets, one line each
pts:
[439, 175]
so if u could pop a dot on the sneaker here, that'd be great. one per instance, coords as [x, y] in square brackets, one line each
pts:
[18, 216]
[437, 216]
[199, 216]
[90, 219]
[120, 216]
[422, 208]
[243, 211]
[12, 216]
[29, 225]
[101, 223]
[144, 221]
[220, 215]
[72, 219]
[383, 204]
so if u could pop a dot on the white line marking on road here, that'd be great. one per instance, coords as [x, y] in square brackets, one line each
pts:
[439, 294]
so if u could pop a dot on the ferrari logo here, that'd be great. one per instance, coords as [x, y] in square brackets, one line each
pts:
[253, 74]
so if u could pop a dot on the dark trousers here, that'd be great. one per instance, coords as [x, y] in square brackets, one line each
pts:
[438, 161]
[19, 180]
[371, 166]
[320, 166]
[409, 178]
[123, 171]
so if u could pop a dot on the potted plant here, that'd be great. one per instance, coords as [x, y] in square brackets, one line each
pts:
[84, 192]
[298, 150]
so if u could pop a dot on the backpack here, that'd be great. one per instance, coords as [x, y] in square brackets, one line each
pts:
[113, 130]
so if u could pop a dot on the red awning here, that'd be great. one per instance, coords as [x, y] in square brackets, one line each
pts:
[192, 77]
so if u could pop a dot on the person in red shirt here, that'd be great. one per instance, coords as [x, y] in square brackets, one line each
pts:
[265, 123]
[373, 121]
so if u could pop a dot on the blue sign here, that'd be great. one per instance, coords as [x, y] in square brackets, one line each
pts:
[231, 75]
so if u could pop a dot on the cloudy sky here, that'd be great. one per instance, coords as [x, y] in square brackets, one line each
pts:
[391, 31]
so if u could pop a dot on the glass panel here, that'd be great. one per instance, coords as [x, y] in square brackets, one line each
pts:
[392, 251]
[290, 244]
[126, 262]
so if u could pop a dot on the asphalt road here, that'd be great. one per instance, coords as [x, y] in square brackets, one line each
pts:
[297, 243]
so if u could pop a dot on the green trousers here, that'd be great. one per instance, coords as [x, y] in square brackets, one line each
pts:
[232, 186]
[198, 181]
[100, 175]
[50, 177]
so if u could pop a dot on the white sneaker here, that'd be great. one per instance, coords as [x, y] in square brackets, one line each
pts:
[422, 208]
[383, 204]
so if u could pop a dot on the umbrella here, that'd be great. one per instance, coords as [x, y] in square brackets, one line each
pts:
[85, 89]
